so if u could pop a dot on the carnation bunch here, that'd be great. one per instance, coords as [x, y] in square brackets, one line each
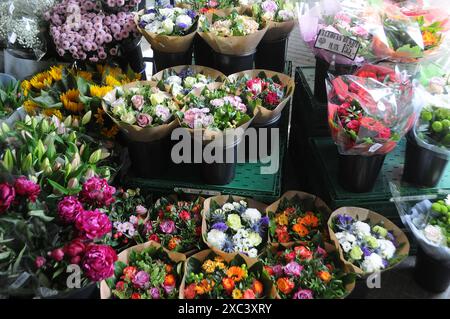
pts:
[168, 21]
[148, 273]
[232, 25]
[302, 272]
[235, 227]
[209, 6]
[371, 247]
[176, 224]
[277, 11]
[210, 276]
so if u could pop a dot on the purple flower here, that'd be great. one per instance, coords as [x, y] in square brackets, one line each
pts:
[191, 13]
[220, 226]
[385, 263]
[154, 292]
[269, 6]
[141, 279]
[182, 25]
[264, 220]
[293, 269]
[167, 226]
[277, 270]
[303, 294]
[366, 251]
[168, 289]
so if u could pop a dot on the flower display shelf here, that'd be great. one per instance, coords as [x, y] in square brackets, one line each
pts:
[325, 180]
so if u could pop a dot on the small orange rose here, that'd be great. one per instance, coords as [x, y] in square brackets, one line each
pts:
[257, 287]
[173, 243]
[169, 280]
[324, 275]
[285, 285]
[300, 229]
[228, 284]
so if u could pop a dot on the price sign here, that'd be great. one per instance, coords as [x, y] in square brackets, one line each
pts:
[337, 43]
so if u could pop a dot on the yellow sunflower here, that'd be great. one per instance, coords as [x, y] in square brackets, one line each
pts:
[85, 75]
[71, 101]
[99, 91]
[30, 107]
[53, 111]
[41, 80]
[56, 72]
[26, 87]
[112, 81]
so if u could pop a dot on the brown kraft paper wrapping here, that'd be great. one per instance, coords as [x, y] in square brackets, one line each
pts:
[364, 214]
[278, 30]
[209, 135]
[105, 291]
[209, 72]
[221, 200]
[166, 43]
[263, 115]
[202, 255]
[134, 132]
[317, 205]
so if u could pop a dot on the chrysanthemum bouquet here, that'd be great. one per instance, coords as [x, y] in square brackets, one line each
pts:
[145, 271]
[302, 272]
[212, 276]
[370, 244]
[370, 110]
[176, 224]
[233, 226]
[120, 5]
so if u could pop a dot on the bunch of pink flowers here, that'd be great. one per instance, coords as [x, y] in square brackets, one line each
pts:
[81, 29]
[125, 5]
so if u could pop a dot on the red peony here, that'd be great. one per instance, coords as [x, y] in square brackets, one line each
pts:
[27, 188]
[154, 237]
[189, 291]
[96, 191]
[184, 215]
[120, 285]
[75, 248]
[256, 86]
[303, 252]
[93, 224]
[272, 98]
[354, 125]
[290, 256]
[282, 234]
[135, 295]
[98, 262]
[57, 254]
[7, 195]
[68, 209]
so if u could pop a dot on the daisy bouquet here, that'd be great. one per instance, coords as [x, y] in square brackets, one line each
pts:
[367, 242]
[145, 271]
[307, 272]
[234, 224]
[297, 217]
[168, 29]
[233, 34]
[371, 110]
[210, 275]
[141, 110]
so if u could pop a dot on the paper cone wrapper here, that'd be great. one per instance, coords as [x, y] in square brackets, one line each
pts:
[105, 291]
[278, 30]
[234, 45]
[311, 202]
[365, 214]
[209, 72]
[134, 132]
[263, 115]
[329, 249]
[221, 200]
[202, 255]
[166, 43]
[209, 135]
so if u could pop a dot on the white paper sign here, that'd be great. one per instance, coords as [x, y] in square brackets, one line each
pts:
[337, 43]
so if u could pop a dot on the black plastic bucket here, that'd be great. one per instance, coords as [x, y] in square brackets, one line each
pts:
[431, 274]
[229, 64]
[271, 55]
[423, 167]
[203, 53]
[90, 291]
[322, 70]
[221, 173]
[164, 60]
[132, 57]
[358, 173]
[149, 159]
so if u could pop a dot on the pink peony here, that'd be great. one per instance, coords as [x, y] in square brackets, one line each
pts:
[98, 262]
[96, 191]
[75, 248]
[7, 195]
[68, 209]
[57, 254]
[39, 262]
[27, 188]
[303, 294]
[167, 226]
[93, 224]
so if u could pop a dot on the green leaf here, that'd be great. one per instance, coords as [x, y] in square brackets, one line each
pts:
[19, 259]
[40, 214]
[58, 187]
[45, 100]
[83, 86]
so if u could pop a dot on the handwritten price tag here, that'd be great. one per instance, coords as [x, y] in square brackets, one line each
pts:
[337, 43]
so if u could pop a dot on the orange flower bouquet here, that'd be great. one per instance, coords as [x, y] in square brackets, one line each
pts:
[225, 276]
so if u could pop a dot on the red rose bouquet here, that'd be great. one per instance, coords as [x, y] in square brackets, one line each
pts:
[302, 272]
[371, 110]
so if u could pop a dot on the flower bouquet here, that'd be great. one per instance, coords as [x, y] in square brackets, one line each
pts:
[428, 143]
[182, 79]
[266, 92]
[223, 7]
[368, 113]
[141, 110]
[233, 34]
[93, 36]
[297, 217]
[145, 271]
[167, 29]
[235, 224]
[427, 218]
[210, 275]
[10, 99]
[115, 6]
[367, 241]
[303, 272]
[176, 224]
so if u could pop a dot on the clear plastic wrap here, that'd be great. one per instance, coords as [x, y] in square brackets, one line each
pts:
[371, 110]
[427, 220]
